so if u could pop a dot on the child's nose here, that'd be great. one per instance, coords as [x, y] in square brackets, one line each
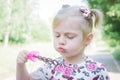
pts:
[62, 40]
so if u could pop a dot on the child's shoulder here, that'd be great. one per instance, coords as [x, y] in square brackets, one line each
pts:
[93, 64]
[96, 67]
[87, 61]
[90, 60]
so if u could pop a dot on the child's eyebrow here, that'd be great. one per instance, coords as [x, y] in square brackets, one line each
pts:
[66, 33]
[70, 32]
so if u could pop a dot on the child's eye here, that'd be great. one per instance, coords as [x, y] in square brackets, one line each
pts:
[57, 35]
[70, 36]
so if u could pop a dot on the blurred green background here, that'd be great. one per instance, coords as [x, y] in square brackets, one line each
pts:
[20, 25]
[17, 26]
[111, 29]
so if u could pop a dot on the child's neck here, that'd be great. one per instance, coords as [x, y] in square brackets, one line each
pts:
[75, 59]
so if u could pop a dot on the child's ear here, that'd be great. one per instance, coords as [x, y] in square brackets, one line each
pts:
[88, 38]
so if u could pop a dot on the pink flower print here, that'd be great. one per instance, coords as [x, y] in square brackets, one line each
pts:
[71, 78]
[96, 78]
[92, 66]
[52, 78]
[68, 71]
[66, 63]
[59, 68]
[52, 71]
[107, 78]
[102, 65]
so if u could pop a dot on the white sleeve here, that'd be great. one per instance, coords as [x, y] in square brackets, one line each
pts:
[38, 74]
[42, 73]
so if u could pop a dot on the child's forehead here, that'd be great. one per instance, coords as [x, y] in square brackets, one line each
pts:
[72, 22]
[68, 30]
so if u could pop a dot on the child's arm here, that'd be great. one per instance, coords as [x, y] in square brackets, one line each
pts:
[21, 71]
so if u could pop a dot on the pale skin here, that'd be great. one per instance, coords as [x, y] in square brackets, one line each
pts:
[22, 73]
[68, 41]
[68, 36]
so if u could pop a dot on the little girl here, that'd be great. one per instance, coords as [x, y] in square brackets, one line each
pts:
[72, 29]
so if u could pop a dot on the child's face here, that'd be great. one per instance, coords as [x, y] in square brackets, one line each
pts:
[68, 38]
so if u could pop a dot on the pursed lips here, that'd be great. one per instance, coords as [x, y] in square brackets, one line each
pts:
[61, 49]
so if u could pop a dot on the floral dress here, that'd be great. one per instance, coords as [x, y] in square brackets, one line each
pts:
[86, 70]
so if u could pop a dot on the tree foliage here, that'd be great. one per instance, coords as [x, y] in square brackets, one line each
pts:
[2, 19]
[111, 11]
[22, 27]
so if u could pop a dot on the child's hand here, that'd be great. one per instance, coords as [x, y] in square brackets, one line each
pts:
[22, 57]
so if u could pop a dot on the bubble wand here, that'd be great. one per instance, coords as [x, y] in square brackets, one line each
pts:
[34, 56]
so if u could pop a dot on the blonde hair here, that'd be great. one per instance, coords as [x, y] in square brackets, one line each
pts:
[93, 20]
[98, 17]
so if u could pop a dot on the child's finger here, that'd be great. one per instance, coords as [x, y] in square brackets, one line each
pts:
[21, 59]
[22, 56]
